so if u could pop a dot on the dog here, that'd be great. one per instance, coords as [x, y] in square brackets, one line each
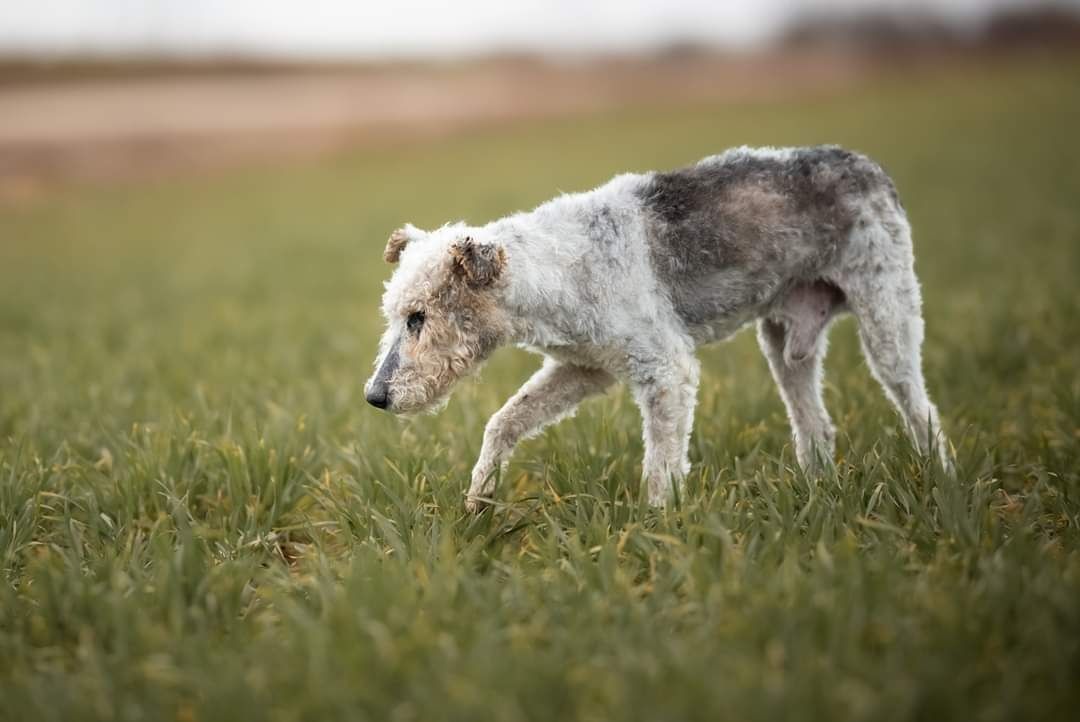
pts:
[623, 282]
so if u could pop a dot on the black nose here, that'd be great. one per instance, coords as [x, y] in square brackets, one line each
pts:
[378, 397]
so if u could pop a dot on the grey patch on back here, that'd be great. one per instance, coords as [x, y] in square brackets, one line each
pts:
[601, 225]
[729, 234]
[606, 254]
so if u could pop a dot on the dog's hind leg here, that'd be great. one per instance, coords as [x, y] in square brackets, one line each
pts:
[552, 393]
[887, 306]
[799, 382]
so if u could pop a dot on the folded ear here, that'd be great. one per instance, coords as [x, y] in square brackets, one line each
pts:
[479, 264]
[399, 239]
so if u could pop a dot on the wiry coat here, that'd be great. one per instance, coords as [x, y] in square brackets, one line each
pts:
[624, 281]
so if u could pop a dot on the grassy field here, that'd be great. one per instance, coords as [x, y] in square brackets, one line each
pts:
[200, 519]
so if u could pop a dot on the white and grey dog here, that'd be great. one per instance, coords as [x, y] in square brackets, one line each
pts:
[624, 281]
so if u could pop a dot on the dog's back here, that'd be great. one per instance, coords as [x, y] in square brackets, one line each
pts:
[729, 233]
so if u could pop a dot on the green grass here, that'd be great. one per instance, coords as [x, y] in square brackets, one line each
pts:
[201, 520]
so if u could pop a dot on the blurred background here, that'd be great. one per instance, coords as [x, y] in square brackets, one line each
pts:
[131, 89]
[201, 518]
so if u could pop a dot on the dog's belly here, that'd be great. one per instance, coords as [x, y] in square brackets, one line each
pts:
[714, 306]
[608, 357]
[719, 330]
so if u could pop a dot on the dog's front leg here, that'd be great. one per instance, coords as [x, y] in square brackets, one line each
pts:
[666, 399]
[552, 393]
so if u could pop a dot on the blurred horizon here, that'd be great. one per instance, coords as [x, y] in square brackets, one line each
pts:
[127, 90]
[339, 30]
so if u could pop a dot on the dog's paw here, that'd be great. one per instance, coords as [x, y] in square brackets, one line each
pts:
[659, 501]
[481, 486]
[662, 495]
[475, 505]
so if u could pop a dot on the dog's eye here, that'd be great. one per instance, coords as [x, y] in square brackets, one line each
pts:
[415, 321]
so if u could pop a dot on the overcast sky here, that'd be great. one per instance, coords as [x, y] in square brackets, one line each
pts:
[409, 28]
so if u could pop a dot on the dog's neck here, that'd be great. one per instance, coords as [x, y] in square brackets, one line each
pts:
[518, 289]
[537, 293]
[556, 264]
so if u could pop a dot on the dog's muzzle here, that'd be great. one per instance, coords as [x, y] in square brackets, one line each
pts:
[378, 396]
[378, 391]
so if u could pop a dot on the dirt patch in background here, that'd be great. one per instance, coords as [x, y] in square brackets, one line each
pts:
[61, 130]
[123, 127]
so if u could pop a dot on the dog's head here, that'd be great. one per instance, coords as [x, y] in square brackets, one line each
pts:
[442, 312]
